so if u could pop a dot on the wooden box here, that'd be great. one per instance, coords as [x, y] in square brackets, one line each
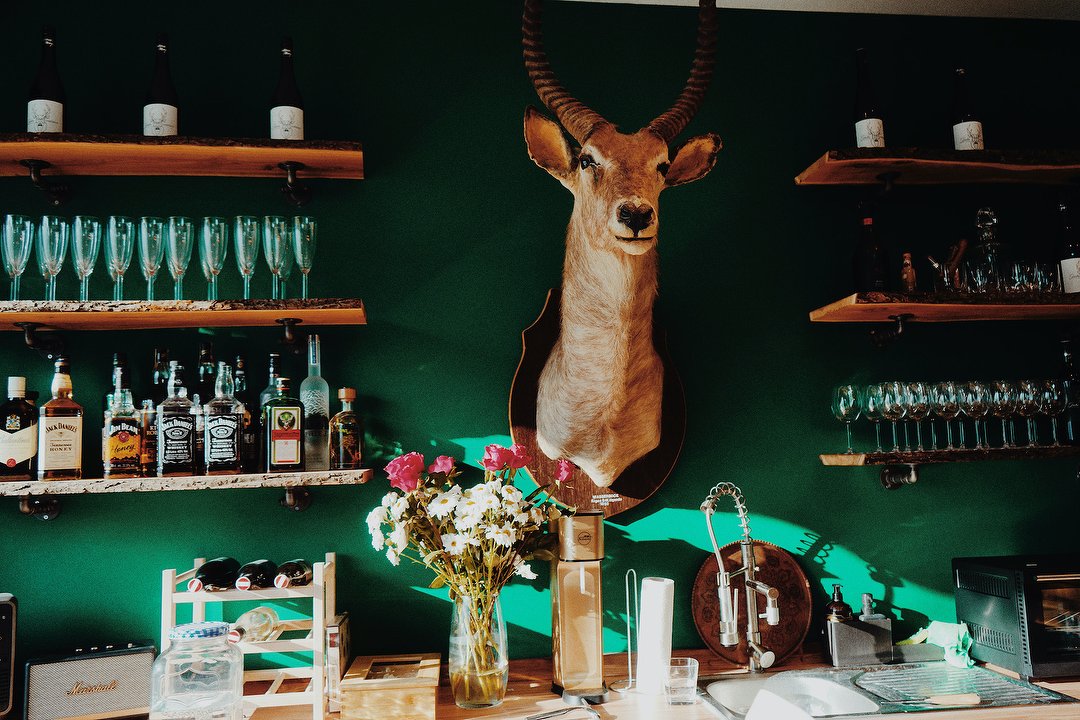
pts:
[391, 687]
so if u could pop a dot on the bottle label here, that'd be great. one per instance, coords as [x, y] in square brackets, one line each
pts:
[175, 435]
[222, 441]
[122, 446]
[286, 123]
[19, 444]
[1070, 275]
[44, 116]
[968, 135]
[60, 443]
[158, 119]
[285, 435]
[870, 133]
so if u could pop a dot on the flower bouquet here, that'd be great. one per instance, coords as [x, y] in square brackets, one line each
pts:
[475, 540]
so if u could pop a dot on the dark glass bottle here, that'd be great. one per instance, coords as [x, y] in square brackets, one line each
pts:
[870, 260]
[346, 434]
[119, 363]
[1068, 252]
[205, 386]
[19, 434]
[287, 107]
[869, 127]
[256, 575]
[1072, 395]
[283, 430]
[217, 574]
[275, 373]
[160, 379]
[45, 105]
[161, 110]
[249, 427]
[295, 573]
[967, 128]
[176, 428]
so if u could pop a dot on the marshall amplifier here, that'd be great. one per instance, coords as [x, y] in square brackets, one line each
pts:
[7, 653]
[108, 682]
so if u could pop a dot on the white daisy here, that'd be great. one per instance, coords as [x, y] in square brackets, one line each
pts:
[467, 521]
[511, 493]
[501, 535]
[444, 503]
[454, 543]
[399, 507]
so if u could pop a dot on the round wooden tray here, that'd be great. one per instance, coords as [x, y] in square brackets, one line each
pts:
[776, 567]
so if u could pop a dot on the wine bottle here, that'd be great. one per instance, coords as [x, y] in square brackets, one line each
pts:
[256, 575]
[255, 625]
[18, 437]
[869, 127]
[287, 107]
[1068, 251]
[161, 111]
[295, 573]
[1072, 395]
[967, 129]
[217, 574]
[869, 261]
[45, 106]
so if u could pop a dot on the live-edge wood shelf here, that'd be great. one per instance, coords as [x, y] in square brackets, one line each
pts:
[949, 307]
[145, 315]
[928, 457]
[918, 166]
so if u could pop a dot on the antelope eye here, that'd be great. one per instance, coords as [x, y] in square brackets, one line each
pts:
[587, 162]
[663, 168]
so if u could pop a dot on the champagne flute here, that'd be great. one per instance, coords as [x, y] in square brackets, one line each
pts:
[52, 239]
[213, 246]
[276, 244]
[871, 410]
[1002, 406]
[1055, 400]
[18, 239]
[119, 245]
[845, 408]
[85, 245]
[286, 272]
[151, 250]
[918, 408]
[179, 241]
[893, 401]
[246, 239]
[304, 245]
[946, 405]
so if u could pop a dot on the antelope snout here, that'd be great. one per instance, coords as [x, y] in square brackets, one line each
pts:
[635, 216]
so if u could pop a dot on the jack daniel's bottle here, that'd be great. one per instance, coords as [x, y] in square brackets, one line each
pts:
[176, 428]
[60, 429]
[223, 419]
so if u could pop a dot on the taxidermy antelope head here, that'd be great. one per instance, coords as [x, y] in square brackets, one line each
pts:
[600, 392]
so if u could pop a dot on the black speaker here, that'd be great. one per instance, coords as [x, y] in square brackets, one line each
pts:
[7, 652]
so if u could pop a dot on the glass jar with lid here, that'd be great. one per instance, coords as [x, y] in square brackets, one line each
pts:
[199, 677]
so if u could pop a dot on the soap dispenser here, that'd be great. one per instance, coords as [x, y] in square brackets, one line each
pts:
[838, 610]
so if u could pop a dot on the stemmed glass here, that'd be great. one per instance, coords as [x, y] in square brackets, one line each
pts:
[893, 407]
[304, 246]
[119, 244]
[918, 408]
[286, 273]
[246, 239]
[151, 249]
[18, 238]
[275, 247]
[871, 410]
[1002, 406]
[1029, 401]
[179, 240]
[85, 245]
[975, 402]
[52, 239]
[1055, 401]
[945, 403]
[213, 246]
[845, 407]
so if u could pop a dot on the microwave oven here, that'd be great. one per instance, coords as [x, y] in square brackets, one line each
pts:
[1023, 612]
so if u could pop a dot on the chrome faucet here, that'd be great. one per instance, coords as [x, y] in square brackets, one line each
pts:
[760, 658]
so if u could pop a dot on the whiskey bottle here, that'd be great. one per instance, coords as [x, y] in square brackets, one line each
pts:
[249, 425]
[256, 575]
[122, 430]
[217, 574]
[315, 395]
[205, 387]
[283, 430]
[224, 416]
[60, 429]
[160, 389]
[119, 362]
[176, 428]
[19, 439]
[346, 434]
[295, 573]
[45, 106]
[148, 438]
[275, 373]
[286, 107]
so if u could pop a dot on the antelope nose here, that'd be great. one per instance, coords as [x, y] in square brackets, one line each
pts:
[635, 217]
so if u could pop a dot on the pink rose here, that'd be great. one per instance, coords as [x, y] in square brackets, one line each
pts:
[404, 471]
[443, 464]
[521, 456]
[496, 458]
[564, 471]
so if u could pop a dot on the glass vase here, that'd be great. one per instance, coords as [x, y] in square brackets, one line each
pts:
[478, 662]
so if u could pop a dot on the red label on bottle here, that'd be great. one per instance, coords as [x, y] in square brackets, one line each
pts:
[243, 583]
[868, 221]
[234, 636]
[194, 585]
[11, 462]
[286, 435]
[282, 581]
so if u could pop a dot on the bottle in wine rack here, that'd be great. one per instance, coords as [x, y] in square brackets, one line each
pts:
[176, 428]
[45, 104]
[287, 107]
[869, 127]
[967, 128]
[217, 574]
[295, 573]
[256, 575]
[19, 434]
[255, 625]
[60, 429]
[161, 111]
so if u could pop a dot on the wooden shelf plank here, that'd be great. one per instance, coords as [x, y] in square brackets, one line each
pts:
[929, 457]
[19, 488]
[189, 156]
[919, 166]
[145, 315]
[950, 307]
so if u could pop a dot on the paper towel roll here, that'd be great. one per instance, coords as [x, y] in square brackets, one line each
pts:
[654, 634]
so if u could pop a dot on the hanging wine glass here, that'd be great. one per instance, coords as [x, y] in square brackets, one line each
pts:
[945, 403]
[52, 239]
[18, 239]
[893, 407]
[246, 239]
[151, 250]
[119, 245]
[304, 246]
[871, 410]
[179, 241]
[845, 408]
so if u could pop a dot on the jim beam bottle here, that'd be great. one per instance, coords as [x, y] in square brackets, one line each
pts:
[19, 434]
[223, 420]
[60, 429]
[122, 431]
[283, 428]
[176, 428]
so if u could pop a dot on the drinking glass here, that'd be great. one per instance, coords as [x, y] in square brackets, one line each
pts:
[52, 240]
[18, 238]
[179, 240]
[918, 408]
[980, 274]
[1003, 407]
[85, 245]
[1029, 402]
[286, 273]
[213, 246]
[680, 686]
[151, 250]
[276, 245]
[975, 403]
[119, 244]
[1055, 400]
[845, 407]
[871, 410]
[304, 247]
[945, 403]
[893, 407]
[246, 238]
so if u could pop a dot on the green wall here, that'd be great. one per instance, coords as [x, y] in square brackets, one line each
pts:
[455, 236]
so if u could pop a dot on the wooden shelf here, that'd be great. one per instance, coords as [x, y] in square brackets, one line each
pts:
[917, 166]
[70, 154]
[949, 456]
[146, 315]
[19, 488]
[949, 307]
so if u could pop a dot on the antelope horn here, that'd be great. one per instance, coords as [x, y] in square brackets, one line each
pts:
[578, 119]
[672, 122]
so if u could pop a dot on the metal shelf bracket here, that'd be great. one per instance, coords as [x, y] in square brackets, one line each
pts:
[882, 338]
[42, 508]
[58, 193]
[296, 499]
[48, 345]
[295, 193]
[897, 476]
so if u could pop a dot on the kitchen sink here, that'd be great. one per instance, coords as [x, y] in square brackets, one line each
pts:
[865, 691]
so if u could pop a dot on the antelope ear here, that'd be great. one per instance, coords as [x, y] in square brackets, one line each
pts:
[693, 160]
[547, 144]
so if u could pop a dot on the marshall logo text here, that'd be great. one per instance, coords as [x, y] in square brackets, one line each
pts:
[79, 689]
